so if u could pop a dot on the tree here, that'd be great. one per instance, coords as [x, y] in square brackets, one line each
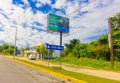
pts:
[7, 49]
[65, 52]
[51, 53]
[1, 49]
[70, 46]
[116, 35]
[22, 51]
[43, 50]
[116, 22]
[103, 40]
[79, 50]
[40, 49]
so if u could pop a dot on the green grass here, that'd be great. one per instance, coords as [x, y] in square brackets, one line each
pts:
[80, 76]
[90, 63]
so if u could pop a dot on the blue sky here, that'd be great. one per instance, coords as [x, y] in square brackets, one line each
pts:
[45, 8]
[87, 23]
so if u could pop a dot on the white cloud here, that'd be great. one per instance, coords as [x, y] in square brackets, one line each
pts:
[95, 22]
[42, 1]
[25, 1]
[38, 5]
[60, 4]
[45, 1]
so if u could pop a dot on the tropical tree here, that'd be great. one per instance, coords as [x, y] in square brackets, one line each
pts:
[65, 52]
[51, 53]
[38, 50]
[22, 51]
[43, 50]
[116, 35]
[116, 21]
[70, 46]
[79, 50]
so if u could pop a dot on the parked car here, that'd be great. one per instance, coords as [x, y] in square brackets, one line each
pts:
[32, 57]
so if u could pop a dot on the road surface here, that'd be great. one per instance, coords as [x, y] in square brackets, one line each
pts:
[13, 72]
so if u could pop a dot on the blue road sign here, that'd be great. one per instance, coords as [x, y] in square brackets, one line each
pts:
[54, 47]
[17, 51]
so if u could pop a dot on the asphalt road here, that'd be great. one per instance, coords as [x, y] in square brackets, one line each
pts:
[13, 72]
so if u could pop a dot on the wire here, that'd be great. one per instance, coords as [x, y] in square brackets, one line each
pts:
[80, 8]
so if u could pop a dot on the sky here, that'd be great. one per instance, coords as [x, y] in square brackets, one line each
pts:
[87, 20]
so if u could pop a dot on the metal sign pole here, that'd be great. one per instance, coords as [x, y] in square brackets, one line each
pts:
[48, 54]
[60, 50]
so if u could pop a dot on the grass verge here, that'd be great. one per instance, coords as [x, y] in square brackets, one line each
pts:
[99, 64]
[68, 75]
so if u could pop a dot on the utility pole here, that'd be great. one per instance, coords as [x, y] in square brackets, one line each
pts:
[110, 38]
[15, 41]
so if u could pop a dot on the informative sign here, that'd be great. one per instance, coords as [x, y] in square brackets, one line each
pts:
[17, 51]
[58, 24]
[54, 47]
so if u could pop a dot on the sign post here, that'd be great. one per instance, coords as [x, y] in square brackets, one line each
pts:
[58, 24]
[55, 47]
[60, 50]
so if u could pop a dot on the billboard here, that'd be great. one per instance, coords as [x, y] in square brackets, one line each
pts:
[58, 24]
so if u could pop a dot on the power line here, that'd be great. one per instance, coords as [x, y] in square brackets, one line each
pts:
[80, 8]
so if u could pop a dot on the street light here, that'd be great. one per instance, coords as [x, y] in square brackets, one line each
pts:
[15, 41]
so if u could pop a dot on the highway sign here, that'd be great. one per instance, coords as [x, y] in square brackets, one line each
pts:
[54, 47]
[58, 24]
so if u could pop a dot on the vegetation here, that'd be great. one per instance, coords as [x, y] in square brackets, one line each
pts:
[7, 49]
[41, 49]
[98, 49]
[88, 62]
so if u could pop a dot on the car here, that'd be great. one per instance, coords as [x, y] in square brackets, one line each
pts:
[32, 57]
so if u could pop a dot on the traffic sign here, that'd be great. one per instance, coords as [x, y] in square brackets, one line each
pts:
[54, 47]
[17, 51]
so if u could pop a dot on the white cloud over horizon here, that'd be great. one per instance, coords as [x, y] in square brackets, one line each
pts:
[86, 23]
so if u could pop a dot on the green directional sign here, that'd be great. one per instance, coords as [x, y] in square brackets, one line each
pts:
[58, 23]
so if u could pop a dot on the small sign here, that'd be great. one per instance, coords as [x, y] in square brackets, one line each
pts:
[54, 47]
[17, 51]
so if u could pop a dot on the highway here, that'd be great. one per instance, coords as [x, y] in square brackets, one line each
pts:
[13, 72]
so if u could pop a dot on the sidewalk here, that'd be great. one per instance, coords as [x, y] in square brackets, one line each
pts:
[94, 72]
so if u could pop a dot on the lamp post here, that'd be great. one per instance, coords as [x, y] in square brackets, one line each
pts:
[15, 41]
